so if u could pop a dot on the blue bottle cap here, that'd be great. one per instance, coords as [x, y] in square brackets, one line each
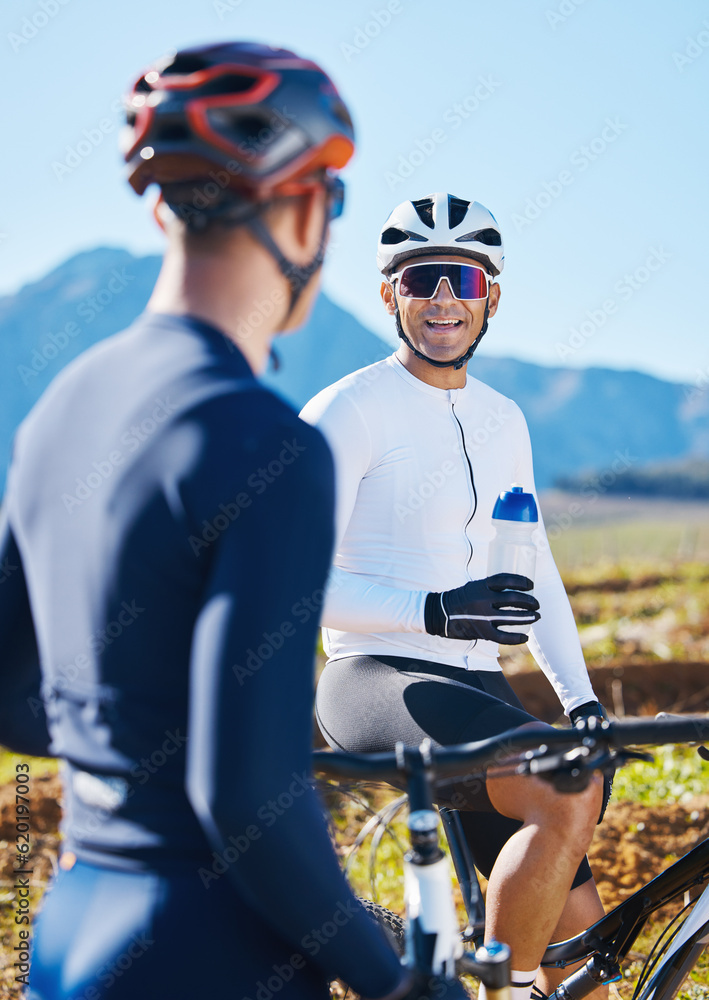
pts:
[515, 505]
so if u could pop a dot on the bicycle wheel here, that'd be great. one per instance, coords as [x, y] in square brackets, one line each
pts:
[683, 955]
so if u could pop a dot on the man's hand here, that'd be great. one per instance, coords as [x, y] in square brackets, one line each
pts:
[585, 711]
[478, 609]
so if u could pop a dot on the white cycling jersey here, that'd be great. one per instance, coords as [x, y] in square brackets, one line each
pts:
[418, 471]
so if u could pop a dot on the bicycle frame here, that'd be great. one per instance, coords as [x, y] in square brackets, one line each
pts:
[607, 942]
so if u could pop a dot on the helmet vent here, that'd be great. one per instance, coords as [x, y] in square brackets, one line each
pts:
[490, 237]
[229, 83]
[392, 235]
[241, 127]
[424, 210]
[457, 210]
[173, 131]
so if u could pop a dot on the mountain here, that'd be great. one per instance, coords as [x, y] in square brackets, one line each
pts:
[579, 420]
[48, 323]
[597, 419]
[683, 479]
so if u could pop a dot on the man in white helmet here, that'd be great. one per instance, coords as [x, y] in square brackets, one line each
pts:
[411, 621]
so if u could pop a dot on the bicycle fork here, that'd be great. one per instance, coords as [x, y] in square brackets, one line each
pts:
[432, 941]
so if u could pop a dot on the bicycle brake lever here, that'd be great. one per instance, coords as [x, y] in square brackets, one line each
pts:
[571, 771]
[567, 772]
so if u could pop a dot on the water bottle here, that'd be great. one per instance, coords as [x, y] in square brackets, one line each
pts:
[512, 550]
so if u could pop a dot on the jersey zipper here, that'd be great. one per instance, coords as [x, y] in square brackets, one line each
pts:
[472, 487]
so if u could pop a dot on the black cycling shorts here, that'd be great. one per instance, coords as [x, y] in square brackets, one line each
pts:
[366, 704]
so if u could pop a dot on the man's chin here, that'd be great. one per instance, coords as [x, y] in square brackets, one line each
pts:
[442, 352]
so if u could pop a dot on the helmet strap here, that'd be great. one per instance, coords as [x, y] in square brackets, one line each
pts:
[456, 363]
[297, 275]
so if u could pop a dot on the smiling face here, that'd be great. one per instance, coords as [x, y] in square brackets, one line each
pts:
[442, 328]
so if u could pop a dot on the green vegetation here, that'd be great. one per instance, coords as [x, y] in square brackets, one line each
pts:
[643, 614]
[38, 765]
[608, 547]
[677, 774]
[636, 612]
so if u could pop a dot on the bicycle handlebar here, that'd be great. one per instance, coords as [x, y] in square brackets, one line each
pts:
[452, 760]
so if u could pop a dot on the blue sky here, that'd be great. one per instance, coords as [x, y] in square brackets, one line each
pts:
[581, 125]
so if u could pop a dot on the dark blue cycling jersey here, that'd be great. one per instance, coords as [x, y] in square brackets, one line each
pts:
[168, 521]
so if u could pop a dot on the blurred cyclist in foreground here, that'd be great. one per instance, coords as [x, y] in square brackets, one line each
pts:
[195, 859]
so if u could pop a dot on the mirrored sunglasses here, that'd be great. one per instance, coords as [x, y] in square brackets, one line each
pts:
[421, 281]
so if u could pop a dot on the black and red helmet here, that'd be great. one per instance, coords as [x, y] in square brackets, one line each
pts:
[261, 116]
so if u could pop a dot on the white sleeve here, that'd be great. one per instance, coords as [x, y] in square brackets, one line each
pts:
[553, 640]
[356, 603]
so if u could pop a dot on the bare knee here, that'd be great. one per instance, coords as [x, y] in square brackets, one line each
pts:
[572, 816]
[579, 811]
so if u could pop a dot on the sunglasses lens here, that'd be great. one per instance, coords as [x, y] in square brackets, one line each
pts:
[337, 197]
[420, 281]
[473, 283]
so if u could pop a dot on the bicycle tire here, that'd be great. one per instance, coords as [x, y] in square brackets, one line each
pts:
[391, 923]
[394, 927]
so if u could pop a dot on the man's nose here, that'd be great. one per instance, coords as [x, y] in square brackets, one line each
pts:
[444, 292]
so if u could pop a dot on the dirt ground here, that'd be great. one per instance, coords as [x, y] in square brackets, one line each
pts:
[635, 842]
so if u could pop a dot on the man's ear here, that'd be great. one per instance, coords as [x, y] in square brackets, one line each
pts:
[494, 299]
[161, 213]
[388, 298]
[309, 219]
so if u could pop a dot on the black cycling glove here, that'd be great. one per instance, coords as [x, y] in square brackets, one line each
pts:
[585, 711]
[478, 609]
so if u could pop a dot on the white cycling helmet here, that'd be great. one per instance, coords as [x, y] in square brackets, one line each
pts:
[440, 224]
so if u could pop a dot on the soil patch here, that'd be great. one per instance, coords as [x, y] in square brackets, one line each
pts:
[624, 688]
[636, 842]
